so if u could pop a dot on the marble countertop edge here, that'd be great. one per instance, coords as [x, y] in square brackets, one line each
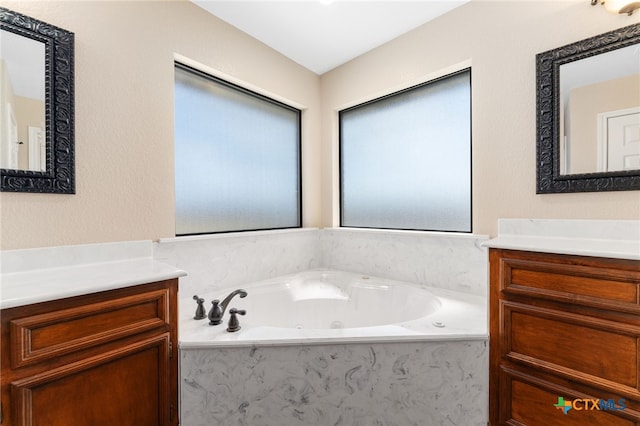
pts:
[57, 283]
[619, 249]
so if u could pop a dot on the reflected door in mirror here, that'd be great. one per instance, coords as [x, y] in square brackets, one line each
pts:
[619, 140]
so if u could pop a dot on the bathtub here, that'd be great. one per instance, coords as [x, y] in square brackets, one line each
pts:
[321, 305]
[325, 347]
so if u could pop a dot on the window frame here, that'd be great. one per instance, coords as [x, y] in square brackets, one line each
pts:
[263, 97]
[391, 95]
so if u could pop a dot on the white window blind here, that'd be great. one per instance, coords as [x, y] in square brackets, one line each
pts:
[405, 159]
[237, 158]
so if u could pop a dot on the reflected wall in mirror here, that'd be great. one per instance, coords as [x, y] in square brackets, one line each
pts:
[588, 114]
[600, 112]
[36, 106]
[22, 142]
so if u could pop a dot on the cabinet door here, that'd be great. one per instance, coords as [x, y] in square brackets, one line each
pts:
[125, 386]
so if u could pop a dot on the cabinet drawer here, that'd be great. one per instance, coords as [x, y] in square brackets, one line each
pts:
[583, 348]
[613, 287]
[41, 337]
[533, 401]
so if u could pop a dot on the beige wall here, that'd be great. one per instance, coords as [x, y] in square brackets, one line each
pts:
[124, 54]
[500, 40]
[124, 110]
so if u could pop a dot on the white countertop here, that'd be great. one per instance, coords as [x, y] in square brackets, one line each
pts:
[28, 276]
[24, 288]
[597, 238]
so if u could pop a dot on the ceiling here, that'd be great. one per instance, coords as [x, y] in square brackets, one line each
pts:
[322, 34]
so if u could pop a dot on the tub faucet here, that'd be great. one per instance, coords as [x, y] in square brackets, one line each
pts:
[217, 309]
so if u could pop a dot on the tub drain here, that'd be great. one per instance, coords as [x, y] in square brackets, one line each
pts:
[337, 324]
[438, 324]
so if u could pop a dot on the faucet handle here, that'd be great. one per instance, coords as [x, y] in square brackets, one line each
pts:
[234, 324]
[200, 312]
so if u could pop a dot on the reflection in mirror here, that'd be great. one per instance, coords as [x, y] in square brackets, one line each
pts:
[36, 106]
[600, 112]
[588, 114]
[22, 103]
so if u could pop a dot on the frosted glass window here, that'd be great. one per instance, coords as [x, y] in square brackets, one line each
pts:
[405, 159]
[237, 158]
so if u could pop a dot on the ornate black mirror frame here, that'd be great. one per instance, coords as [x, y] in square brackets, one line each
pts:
[548, 177]
[59, 176]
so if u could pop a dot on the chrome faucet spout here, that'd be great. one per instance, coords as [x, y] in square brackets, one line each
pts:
[218, 308]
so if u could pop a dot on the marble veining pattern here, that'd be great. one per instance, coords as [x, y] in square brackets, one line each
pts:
[454, 262]
[391, 384]
[29, 260]
[236, 259]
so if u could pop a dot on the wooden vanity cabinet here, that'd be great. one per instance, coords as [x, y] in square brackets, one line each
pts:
[107, 358]
[563, 326]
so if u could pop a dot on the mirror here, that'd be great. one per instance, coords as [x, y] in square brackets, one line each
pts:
[588, 114]
[36, 106]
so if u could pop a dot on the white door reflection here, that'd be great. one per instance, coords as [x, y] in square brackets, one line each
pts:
[619, 140]
[37, 149]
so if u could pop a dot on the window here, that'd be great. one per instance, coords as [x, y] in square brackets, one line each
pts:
[405, 159]
[237, 157]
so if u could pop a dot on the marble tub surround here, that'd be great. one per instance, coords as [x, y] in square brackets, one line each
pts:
[446, 260]
[599, 238]
[42, 274]
[431, 259]
[27, 260]
[392, 384]
[228, 260]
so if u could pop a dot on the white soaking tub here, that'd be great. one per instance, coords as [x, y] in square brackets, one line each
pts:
[328, 306]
